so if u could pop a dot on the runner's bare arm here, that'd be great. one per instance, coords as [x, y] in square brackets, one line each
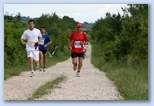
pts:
[84, 43]
[48, 44]
[70, 44]
[22, 41]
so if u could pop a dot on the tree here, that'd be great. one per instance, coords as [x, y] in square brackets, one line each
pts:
[18, 16]
[124, 38]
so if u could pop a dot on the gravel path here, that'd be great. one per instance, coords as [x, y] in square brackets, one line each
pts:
[92, 85]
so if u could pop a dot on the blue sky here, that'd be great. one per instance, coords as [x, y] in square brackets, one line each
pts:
[80, 12]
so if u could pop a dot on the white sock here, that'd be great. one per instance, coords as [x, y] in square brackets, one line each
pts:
[32, 71]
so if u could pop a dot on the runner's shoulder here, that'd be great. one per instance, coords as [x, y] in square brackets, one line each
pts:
[74, 32]
[26, 31]
[35, 29]
[47, 36]
[84, 33]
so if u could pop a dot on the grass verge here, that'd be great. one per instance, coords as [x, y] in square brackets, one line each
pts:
[131, 82]
[46, 88]
[51, 60]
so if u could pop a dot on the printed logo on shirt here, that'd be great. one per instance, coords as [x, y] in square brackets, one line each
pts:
[42, 41]
[77, 44]
[32, 44]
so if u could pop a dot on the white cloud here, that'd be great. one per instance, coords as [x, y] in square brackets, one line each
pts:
[80, 12]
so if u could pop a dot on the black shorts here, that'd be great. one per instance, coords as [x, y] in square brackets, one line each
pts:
[75, 55]
[44, 51]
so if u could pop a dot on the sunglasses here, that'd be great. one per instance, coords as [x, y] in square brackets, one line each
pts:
[79, 27]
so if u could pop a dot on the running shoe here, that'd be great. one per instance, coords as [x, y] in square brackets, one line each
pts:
[37, 65]
[74, 67]
[44, 69]
[77, 74]
[84, 55]
[32, 74]
[41, 69]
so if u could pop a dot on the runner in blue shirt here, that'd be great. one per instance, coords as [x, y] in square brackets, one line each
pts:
[43, 47]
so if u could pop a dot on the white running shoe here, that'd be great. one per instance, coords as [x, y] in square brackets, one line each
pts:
[32, 74]
[77, 74]
[74, 67]
[37, 65]
[44, 69]
[41, 69]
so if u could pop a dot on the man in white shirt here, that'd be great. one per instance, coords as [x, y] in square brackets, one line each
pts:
[31, 35]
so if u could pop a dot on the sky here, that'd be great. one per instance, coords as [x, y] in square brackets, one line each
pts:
[80, 12]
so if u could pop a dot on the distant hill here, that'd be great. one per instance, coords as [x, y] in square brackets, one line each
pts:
[87, 26]
[26, 19]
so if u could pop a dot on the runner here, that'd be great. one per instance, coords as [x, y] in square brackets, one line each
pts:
[43, 47]
[77, 40]
[85, 47]
[31, 35]
[85, 50]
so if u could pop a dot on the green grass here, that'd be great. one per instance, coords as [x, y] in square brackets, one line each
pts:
[131, 82]
[15, 71]
[51, 60]
[46, 88]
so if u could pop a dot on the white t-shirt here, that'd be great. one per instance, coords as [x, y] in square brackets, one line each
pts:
[32, 37]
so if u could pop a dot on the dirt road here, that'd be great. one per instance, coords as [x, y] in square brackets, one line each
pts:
[92, 85]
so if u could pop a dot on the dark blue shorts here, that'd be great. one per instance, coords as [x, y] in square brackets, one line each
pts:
[75, 55]
[44, 51]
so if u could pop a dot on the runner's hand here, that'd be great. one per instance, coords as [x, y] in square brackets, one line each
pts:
[38, 42]
[24, 43]
[45, 45]
[82, 43]
[70, 48]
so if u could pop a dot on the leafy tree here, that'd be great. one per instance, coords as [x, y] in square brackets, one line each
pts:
[124, 38]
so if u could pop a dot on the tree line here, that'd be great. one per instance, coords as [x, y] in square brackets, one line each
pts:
[124, 38]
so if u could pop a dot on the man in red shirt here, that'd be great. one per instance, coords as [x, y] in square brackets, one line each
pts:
[77, 40]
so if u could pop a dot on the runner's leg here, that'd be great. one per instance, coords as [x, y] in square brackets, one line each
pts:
[80, 63]
[79, 66]
[30, 58]
[31, 63]
[31, 66]
[74, 61]
[36, 61]
[44, 59]
[40, 58]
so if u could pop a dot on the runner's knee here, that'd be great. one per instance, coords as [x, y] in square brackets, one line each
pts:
[45, 55]
[80, 62]
[74, 62]
[30, 60]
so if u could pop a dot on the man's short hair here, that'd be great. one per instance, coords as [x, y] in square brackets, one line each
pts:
[43, 27]
[31, 21]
